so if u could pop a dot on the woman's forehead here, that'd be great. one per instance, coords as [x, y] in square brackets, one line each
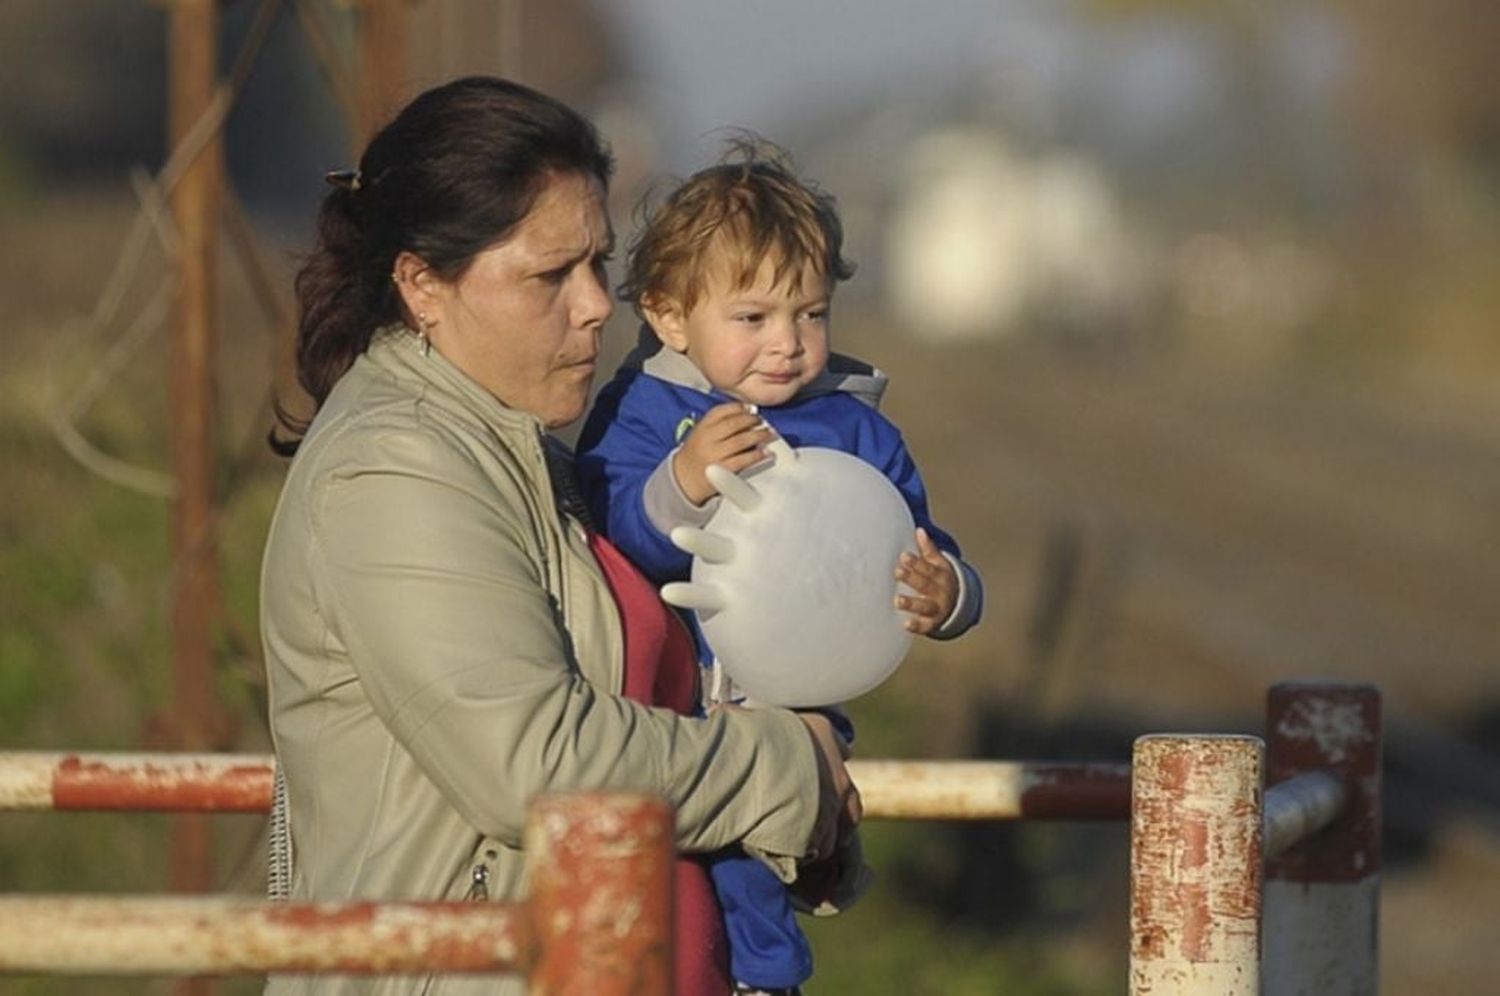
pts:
[567, 219]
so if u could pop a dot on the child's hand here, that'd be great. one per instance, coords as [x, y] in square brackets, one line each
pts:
[931, 576]
[732, 435]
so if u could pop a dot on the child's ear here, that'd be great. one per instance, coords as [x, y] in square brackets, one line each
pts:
[667, 320]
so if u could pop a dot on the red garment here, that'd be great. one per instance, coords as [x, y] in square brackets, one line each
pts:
[661, 668]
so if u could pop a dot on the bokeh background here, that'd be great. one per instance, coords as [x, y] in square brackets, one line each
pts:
[1191, 310]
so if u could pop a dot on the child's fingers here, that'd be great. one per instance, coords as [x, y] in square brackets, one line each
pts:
[920, 573]
[735, 433]
[722, 418]
[738, 452]
[917, 605]
[926, 547]
[742, 459]
[724, 439]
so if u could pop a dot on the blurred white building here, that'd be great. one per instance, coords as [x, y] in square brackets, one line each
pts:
[983, 242]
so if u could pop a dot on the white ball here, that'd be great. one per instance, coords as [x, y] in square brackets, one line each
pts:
[799, 605]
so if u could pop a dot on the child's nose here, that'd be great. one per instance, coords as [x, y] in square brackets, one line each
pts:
[786, 338]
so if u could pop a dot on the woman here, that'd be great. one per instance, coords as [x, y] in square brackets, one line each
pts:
[445, 637]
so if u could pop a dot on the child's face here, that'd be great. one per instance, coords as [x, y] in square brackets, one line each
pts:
[759, 344]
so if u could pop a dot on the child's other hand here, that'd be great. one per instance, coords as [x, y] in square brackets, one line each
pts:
[732, 435]
[931, 576]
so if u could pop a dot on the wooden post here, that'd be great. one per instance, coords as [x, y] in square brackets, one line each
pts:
[382, 74]
[1322, 896]
[193, 54]
[1195, 866]
[601, 894]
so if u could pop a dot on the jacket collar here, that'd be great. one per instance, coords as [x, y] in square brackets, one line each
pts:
[399, 353]
[844, 374]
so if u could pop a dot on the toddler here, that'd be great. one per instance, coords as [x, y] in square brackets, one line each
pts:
[734, 275]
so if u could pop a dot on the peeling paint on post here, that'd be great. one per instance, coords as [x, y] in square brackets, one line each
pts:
[1195, 860]
[601, 894]
[1322, 896]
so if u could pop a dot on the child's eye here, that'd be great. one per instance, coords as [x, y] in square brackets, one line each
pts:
[815, 314]
[750, 317]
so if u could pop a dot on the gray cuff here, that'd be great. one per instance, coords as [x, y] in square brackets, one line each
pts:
[667, 507]
[970, 600]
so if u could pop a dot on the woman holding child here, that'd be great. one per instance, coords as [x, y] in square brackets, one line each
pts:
[446, 636]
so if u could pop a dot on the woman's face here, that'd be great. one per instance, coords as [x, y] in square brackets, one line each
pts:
[524, 319]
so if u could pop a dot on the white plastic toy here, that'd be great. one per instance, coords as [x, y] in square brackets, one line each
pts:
[793, 578]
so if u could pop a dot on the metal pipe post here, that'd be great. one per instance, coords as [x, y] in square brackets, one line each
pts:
[382, 74]
[1322, 896]
[601, 869]
[1195, 862]
[193, 72]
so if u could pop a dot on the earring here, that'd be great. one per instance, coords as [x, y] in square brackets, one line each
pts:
[424, 322]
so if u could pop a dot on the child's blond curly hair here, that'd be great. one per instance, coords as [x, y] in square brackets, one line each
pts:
[755, 204]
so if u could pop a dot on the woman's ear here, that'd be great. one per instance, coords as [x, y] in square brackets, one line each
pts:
[667, 320]
[420, 289]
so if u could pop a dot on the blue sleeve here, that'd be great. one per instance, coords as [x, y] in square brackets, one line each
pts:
[882, 446]
[621, 445]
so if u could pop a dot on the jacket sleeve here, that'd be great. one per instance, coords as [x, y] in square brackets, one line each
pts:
[889, 453]
[430, 585]
[625, 467]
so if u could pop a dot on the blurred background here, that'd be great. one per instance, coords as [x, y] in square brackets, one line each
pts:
[1191, 310]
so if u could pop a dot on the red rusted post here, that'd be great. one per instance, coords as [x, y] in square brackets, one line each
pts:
[193, 60]
[1195, 866]
[1322, 896]
[382, 74]
[601, 894]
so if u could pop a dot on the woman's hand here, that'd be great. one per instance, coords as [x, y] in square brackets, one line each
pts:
[839, 806]
[732, 435]
[931, 576]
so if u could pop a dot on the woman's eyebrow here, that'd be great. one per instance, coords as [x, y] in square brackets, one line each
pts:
[575, 252]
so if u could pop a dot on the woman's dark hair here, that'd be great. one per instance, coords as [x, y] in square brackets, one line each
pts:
[456, 170]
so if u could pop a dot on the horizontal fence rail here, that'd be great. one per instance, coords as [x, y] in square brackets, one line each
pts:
[597, 919]
[162, 782]
[242, 783]
[221, 935]
[1298, 808]
[1254, 865]
[992, 790]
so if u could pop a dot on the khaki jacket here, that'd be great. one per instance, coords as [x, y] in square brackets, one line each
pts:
[441, 647]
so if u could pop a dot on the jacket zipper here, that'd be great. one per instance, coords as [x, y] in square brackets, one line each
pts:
[479, 877]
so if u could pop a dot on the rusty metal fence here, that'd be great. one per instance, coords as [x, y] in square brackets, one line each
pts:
[1254, 863]
[597, 918]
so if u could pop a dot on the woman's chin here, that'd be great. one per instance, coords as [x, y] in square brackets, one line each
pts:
[564, 415]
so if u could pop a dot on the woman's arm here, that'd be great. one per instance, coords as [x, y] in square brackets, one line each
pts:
[428, 581]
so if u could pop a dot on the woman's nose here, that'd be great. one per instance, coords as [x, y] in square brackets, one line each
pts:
[593, 305]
